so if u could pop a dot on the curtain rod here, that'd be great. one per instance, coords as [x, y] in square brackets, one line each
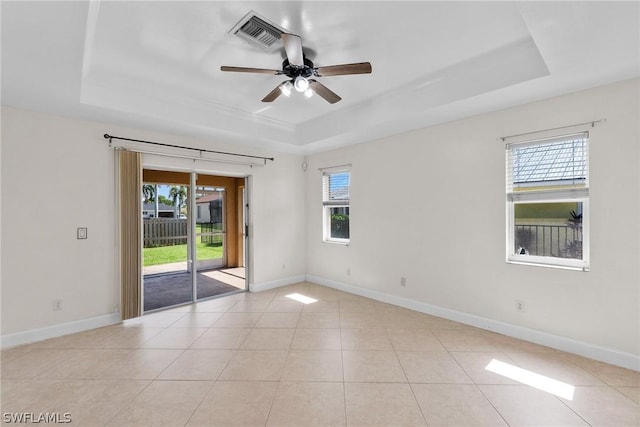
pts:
[592, 123]
[200, 150]
[348, 165]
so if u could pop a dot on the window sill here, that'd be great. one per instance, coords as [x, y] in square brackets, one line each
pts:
[540, 264]
[337, 242]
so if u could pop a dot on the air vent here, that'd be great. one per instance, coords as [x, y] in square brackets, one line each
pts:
[257, 30]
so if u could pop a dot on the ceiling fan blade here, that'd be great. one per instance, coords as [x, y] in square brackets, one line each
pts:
[271, 96]
[324, 91]
[250, 70]
[293, 47]
[344, 69]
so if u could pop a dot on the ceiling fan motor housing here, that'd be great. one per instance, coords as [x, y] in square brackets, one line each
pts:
[293, 71]
[300, 70]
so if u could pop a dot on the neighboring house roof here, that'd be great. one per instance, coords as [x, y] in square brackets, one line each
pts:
[555, 161]
[161, 207]
[560, 162]
[208, 198]
[339, 193]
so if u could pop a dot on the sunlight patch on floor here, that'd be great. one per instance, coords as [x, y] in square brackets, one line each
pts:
[302, 298]
[532, 379]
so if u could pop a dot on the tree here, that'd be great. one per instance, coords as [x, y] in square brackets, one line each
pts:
[149, 193]
[575, 222]
[573, 248]
[164, 200]
[179, 196]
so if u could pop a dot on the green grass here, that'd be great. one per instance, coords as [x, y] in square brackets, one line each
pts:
[178, 253]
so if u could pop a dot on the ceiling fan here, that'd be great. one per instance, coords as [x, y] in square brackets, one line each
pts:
[301, 71]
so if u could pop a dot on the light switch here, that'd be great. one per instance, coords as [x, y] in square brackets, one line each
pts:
[82, 232]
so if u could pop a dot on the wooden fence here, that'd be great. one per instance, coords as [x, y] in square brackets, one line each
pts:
[164, 232]
[172, 231]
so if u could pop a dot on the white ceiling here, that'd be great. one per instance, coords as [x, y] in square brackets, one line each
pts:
[156, 65]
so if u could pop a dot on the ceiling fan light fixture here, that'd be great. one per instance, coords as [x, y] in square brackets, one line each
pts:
[298, 69]
[285, 88]
[301, 84]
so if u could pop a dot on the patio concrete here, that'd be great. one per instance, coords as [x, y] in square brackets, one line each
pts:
[164, 290]
[171, 267]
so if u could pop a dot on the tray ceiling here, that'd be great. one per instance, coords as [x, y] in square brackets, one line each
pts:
[157, 64]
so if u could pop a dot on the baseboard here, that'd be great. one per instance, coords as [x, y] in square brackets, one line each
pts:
[53, 331]
[257, 287]
[607, 355]
[592, 351]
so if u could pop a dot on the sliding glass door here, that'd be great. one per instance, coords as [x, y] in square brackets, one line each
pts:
[165, 253]
[185, 238]
[210, 228]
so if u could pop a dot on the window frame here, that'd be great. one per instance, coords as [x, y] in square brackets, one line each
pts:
[560, 194]
[327, 205]
[549, 261]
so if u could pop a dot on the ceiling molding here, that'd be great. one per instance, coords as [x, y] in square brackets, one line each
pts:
[158, 65]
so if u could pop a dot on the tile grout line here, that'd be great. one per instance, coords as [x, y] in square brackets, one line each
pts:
[572, 410]
[415, 398]
[344, 384]
[204, 396]
[127, 405]
[80, 346]
[491, 403]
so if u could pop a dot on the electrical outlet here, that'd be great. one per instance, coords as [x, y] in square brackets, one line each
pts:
[348, 271]
[520, 306]
[284, 266]
[57, 304]
[82, 233]
[403, 282]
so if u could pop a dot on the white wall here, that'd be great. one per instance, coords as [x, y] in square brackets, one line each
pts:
[58, 174]
[276, 209]
[429, 205]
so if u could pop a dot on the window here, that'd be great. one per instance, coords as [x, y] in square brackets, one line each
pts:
[547, 202]
[335, 205]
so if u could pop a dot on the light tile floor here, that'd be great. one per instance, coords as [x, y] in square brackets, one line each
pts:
[265, 360]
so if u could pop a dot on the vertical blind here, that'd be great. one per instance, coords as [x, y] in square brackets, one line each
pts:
[130, 171]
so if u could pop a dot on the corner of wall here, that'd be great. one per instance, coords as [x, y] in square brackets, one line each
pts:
[259, 287]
